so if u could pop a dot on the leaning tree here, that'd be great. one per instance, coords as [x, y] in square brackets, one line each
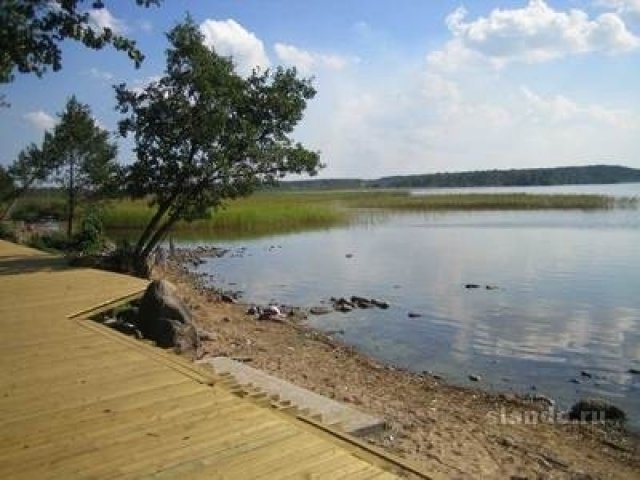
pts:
[204, 134]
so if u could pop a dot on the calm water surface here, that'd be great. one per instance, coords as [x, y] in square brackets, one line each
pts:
[568, 298]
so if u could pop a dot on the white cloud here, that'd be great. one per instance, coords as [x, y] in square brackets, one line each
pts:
[561, 109]
[145, 25]
[40, 120]
[306, 61]
[534, 33]
[102, 18]
[625, 8]
[139, 84]
[229, 38]
[100, 74]
[370, 124]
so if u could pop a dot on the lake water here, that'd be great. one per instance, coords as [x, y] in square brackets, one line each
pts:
[567, 299]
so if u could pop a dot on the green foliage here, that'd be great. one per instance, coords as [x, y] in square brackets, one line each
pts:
[38, 208]
[51, 242]
[204, 134]
[591, 174]
[6, 182]
[33, 30]
[34, 164]
[90, 239]
[7, 232]
[402, 200]
[521, 177]
[85, 158]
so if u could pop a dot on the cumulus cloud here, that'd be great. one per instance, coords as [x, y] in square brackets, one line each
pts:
[625, 8]
[425, 120]
[40, 120]
[306, 61]
[229, 38]
[534, 33]
[102, 18]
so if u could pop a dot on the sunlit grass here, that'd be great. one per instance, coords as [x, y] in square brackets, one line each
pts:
[260, 213]
[275, 212]
[477, 201]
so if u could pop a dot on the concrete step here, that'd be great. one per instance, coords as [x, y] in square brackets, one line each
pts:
[329, 411]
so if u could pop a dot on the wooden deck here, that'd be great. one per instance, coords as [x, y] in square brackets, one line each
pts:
[80, 401]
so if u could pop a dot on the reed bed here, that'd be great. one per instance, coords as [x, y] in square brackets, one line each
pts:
[478, 201]
[274, 212]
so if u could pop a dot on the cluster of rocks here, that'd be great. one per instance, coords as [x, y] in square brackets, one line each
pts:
[345, 305]
[275, 312]
[189, 256]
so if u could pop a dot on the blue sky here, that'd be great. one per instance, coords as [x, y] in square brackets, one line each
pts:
[403, 87]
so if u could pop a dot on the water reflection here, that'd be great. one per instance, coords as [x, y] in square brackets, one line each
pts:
[566, 299]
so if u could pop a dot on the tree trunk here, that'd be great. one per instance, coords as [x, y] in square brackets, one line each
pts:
[71, 199]
[159, 235]
[151, 227]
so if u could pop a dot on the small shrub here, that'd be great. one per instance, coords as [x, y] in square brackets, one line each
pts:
[53, 242]
[90, 240]
[7, 232]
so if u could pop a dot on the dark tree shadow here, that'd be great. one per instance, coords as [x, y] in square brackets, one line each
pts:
[12, 265]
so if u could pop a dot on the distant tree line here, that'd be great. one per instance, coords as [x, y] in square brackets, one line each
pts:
[593, 174]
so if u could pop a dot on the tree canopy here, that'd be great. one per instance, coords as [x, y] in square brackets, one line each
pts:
[32, 31]
[84, 158]
[204, 134]
[34, 164]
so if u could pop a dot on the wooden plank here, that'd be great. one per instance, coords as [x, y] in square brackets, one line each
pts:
[80, 400]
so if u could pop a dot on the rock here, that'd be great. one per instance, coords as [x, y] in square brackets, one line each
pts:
[253, 310]
[543, 399]
[380, 303]
[342, 304]
[319, 310]
[475, 378]
[472, 285]
[206, 336]
[414, 315]
[227, 298]
[344, 308]
[596, 409]
[361, 302]
[634, 371]
[127, 328]
[272, 310]
[165, 319]
[356, 300]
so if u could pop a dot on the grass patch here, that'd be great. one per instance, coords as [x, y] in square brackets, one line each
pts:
[477, 201]
[259, 214]
[277, 212]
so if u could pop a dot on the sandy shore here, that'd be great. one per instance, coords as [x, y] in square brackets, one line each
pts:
[459, 432]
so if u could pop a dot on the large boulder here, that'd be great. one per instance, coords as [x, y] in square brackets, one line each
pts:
[165, 319]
